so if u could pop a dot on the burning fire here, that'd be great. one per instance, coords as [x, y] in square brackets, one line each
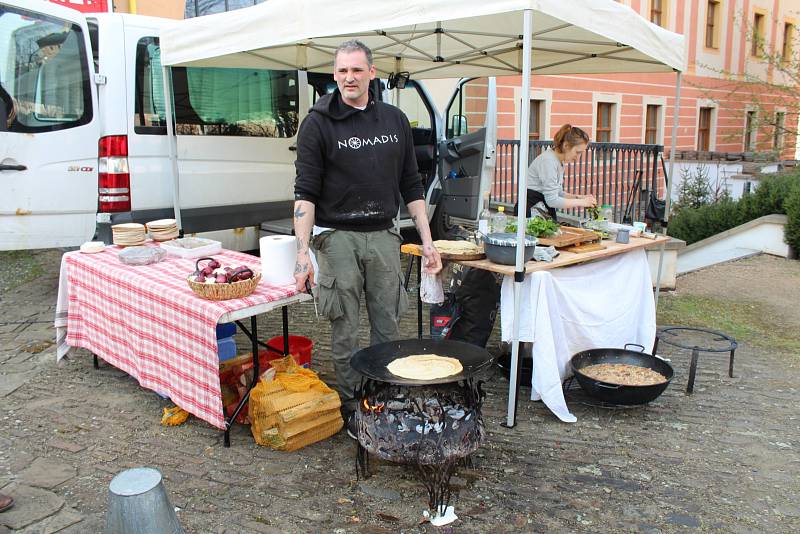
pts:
[378, 408]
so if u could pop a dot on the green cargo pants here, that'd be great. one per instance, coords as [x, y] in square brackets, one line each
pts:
[352, 263]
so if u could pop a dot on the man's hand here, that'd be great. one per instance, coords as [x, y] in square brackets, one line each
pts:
[589, 201]
[303, 222]
[433, 263]
[420, 217]
[303, 270]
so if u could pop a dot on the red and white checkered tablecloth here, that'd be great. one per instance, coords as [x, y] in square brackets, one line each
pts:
[146, 321]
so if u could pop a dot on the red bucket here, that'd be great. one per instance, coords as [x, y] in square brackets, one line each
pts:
[299, 346]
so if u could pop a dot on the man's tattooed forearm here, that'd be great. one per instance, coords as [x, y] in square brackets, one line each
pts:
[298, 213]
[300, 268]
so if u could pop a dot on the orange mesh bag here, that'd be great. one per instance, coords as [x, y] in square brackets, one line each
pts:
[293, 410]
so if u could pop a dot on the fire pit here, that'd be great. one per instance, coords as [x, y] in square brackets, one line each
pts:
[430, 424]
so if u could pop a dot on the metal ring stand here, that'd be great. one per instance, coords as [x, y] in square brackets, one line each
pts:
[671, 335]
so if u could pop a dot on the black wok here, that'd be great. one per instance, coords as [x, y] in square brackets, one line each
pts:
[372, 361]
[616, 393]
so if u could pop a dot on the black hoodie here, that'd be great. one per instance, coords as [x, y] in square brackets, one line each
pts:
[355, 165]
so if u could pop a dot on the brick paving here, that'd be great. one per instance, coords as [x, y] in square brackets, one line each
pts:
[725, 459]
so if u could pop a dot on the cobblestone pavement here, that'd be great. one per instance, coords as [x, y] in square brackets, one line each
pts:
[724, 459]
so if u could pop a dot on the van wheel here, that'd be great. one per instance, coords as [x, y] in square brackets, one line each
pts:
[440, 229]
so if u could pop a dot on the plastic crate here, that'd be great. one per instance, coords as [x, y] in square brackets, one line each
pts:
[226, 348]
[299, 347]
[226, 330]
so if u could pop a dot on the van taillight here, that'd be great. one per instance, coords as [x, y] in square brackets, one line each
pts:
[114, 179]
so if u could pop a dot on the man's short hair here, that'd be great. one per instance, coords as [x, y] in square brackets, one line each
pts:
[354, 45]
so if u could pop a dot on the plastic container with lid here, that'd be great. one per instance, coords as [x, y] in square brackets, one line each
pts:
[191, 247]
[138, 256]
[501, 248]
[607, 212]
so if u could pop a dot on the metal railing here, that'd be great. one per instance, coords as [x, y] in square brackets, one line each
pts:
[609, 171]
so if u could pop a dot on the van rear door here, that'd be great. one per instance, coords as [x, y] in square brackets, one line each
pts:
[48, 147]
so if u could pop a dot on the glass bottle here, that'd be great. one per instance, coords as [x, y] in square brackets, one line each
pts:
[484, 220]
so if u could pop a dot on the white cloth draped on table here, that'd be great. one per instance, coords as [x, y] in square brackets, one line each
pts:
[604, 303]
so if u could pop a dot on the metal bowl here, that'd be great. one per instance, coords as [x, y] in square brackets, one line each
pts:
[501, 247]
[616, 393]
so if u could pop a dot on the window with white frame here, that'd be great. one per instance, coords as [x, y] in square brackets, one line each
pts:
[604, 126]
[757, 37]
[777, 135]
[651, 124]
[788, 42]
[750, 130]
[712, 24]
[536, 120]
[705, 117]
[658, 12]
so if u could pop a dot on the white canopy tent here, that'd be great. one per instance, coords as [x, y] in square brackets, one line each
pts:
[435, 39]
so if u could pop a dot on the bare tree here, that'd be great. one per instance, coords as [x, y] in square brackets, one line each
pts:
[768, 86]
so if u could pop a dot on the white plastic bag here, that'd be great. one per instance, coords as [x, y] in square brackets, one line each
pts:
[430, 287]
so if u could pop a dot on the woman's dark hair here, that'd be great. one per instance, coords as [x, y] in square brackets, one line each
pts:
[569, 136]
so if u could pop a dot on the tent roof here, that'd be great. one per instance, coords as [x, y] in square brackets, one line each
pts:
[428, 38]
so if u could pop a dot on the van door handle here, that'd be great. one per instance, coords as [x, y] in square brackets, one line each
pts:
[293, 148]
[4, 167]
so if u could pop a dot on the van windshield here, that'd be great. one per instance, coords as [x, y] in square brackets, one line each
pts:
[43, 67]
[215, 101]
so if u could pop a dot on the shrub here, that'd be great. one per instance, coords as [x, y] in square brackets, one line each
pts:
[695, 224]
[779, 193]
[768, 197]
[792, 206]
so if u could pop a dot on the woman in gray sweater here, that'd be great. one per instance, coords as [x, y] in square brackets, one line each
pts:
[546, 173]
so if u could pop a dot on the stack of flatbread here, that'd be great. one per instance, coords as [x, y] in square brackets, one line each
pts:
[128, 234]
[425, 367]
[163, 229]
[457, 247]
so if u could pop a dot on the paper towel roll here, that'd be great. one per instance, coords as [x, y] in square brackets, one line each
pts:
[278, 256]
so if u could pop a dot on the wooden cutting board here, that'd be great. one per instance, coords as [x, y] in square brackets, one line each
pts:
[588, 247]
[569, 236]
[416, 250]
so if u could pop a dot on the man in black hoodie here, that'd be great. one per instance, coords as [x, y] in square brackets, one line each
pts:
[355, 161]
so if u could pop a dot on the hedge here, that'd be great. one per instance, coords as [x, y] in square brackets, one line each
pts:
[792, 231]
[779, 193]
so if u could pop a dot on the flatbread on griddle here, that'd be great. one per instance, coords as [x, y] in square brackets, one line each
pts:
[425, 367]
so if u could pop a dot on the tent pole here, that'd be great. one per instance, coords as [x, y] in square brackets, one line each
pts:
[522, 197]
[668, 180]
[172, 142]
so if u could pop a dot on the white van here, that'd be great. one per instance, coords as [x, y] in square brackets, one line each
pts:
[88, 146]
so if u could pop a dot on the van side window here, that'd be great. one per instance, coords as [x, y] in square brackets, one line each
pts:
[44, 68]
[215, 101]
[94, 40]
[150, 115]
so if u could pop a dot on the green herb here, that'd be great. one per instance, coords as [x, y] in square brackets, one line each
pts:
[536, 227]
[594, 212]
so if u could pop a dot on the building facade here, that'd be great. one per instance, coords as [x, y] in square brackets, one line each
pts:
[732, 48]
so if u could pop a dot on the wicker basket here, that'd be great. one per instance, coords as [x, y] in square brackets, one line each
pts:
[236, 290]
